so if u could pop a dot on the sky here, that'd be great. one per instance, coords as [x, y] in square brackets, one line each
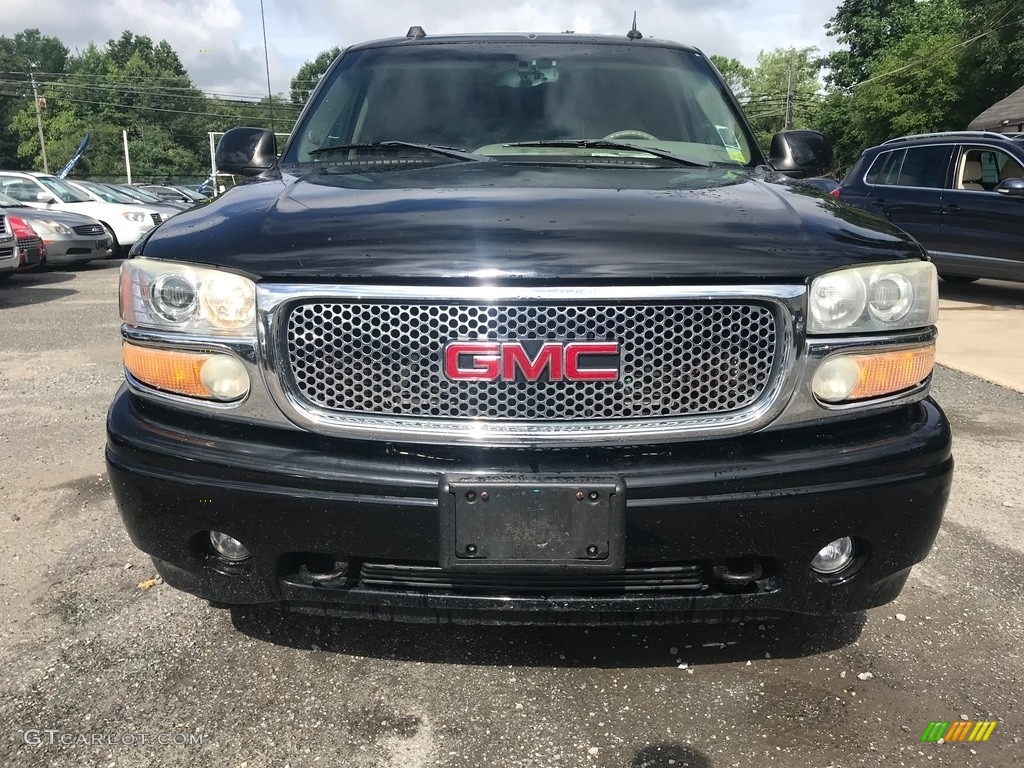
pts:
[220, 42]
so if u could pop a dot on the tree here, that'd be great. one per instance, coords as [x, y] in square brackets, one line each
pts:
[993, 63]
[910, 84]
[736, 75]
[864, 27]
[28, 51]
[130, 84]
[783, 82]
[309, 75]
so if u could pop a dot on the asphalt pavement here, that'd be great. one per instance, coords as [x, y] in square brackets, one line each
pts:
[103, 666]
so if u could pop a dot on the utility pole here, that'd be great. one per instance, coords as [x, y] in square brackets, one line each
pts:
[39, 117]
[789, 90]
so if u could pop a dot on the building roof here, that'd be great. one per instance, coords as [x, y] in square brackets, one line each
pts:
[1008, 111]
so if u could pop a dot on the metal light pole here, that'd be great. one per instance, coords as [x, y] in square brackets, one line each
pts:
[266, 58]
[39, 116]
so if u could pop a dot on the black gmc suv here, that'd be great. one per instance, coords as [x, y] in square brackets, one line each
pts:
[526, 329]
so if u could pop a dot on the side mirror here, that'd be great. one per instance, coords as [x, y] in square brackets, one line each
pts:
[246, 151]
[45, 197]
[801, 154]
[1011, 187]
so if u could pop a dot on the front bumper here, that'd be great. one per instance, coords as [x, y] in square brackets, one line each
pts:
[75, 249]
[305, 504]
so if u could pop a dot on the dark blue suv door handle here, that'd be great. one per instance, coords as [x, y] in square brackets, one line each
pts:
[879, 201]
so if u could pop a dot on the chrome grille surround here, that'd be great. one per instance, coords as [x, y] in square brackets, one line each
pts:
[319, 343]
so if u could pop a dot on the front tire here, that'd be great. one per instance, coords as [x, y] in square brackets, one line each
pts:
[115, 248]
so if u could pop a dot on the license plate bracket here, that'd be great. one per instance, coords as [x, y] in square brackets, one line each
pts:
[532, 523]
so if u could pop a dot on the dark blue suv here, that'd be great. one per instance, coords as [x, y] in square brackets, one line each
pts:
[960, 194]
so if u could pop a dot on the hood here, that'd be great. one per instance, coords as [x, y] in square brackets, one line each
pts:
[499, 220]
[53, 214]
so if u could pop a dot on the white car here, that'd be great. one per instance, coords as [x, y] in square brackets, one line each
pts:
[124, 223]
[108, 194]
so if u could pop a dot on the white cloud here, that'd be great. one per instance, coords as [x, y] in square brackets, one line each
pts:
[220, 42]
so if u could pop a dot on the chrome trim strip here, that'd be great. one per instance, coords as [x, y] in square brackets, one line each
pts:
[274, 302]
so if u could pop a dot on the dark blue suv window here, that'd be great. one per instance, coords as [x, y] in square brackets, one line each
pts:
[912, 167]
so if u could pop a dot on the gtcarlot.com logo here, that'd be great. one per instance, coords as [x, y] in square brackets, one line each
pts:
[958, 730]
[53, 737]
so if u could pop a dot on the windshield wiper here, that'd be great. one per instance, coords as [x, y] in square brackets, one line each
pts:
[605, 144]
[457, 154]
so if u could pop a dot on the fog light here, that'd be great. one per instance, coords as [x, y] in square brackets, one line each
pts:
[836, 379]
[834, 557]
[229, 548]
[225, 377]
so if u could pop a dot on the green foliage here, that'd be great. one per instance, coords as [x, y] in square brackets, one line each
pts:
[24, 52]
[864, 27]
[736, 75]
[782, 76]
[993, 65]
[129, 84]
[309, 75]
[903, 73]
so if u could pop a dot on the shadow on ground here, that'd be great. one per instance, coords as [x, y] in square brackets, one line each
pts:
[692, 644]
[664, 755]
[995, 293]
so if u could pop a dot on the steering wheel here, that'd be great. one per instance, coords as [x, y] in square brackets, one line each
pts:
[629, 133]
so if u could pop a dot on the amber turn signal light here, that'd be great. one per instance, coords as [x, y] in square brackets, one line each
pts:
[210, 376]
[842, 378]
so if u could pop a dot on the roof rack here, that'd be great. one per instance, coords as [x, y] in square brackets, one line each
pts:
[940, 134]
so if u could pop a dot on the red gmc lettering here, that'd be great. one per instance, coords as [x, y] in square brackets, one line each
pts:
[554, 361]
[514, 356]
[484, 357]
[573, 353]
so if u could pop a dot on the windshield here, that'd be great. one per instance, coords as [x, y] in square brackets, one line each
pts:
[191, 194]
[482, 97]
[62, 190]
[105, 193]
[137, 194]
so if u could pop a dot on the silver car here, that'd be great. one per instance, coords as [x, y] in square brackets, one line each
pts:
[70, 238]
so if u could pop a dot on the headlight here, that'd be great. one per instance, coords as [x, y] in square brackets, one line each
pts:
[53, 227]
[168, 295]
[137, 216]
[880, 297]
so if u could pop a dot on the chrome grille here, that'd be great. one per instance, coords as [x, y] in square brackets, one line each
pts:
[3, 225]
[677, 359]
[90, 230]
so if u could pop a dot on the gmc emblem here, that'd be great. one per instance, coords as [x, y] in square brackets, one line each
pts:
[552, 361]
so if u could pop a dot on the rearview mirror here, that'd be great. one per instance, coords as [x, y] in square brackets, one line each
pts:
[1011, 187]
[246, 151]
[801, 154]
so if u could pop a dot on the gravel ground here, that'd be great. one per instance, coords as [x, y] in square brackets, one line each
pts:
[131, 676]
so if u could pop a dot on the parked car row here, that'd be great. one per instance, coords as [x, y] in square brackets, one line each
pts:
[52, 221]
[960, 194]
